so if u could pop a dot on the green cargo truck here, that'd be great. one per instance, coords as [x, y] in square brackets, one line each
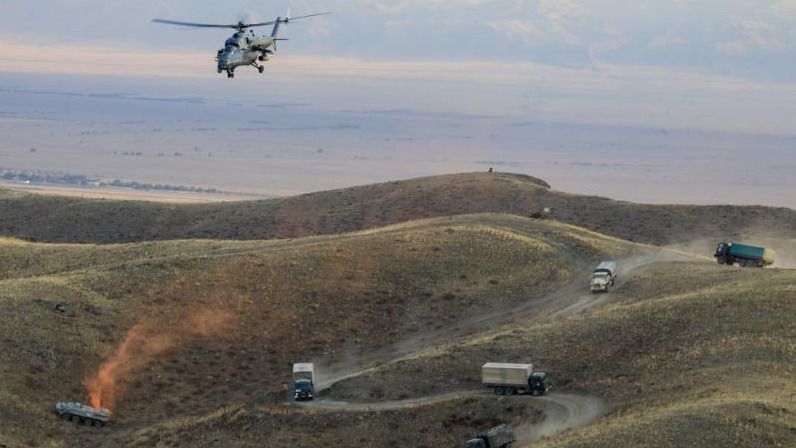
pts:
[744, 255]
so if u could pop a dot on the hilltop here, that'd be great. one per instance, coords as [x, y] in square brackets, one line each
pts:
[69, 220]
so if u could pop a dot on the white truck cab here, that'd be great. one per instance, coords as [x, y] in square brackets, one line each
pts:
[603, 277]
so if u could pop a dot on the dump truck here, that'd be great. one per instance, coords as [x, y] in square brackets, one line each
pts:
[303, 381]
[511, 379]
[498, 437]
[744, 255]
[603, 277]
[80, 413]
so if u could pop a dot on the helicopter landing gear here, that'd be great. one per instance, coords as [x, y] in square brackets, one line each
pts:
[230, 74]
[259, 67]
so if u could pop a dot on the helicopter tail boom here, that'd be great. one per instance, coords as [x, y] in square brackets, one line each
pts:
[275, 32]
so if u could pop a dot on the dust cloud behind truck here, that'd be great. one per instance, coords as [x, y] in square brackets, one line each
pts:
[744, 255]
[510, 379]
[303, 381]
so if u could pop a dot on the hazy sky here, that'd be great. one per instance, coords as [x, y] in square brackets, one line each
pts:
[738, 38]
[706, 86]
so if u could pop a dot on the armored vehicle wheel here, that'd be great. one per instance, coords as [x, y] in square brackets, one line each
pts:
[511, 391]
[97, 423]
[65, 416]
[499, 391]
[75, 419]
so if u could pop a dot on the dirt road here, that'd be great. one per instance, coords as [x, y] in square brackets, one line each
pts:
[562, 411]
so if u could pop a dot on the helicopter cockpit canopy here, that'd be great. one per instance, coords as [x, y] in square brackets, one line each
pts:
[232, 42]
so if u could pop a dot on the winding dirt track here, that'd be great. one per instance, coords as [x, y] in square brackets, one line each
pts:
[562, 410]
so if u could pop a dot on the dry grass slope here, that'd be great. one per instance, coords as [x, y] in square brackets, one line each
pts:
[59, 219]
[690, 355]
[327, 298]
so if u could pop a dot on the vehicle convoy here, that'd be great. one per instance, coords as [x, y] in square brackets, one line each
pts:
[80, 413]
[498, 437]
[510, 379]
[603, 277]
[303, 381]
[744, 255]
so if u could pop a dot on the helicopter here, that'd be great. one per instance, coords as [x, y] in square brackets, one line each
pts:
[245, 48]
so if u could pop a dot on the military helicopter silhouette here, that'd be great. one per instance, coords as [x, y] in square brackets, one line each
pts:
[245, 48]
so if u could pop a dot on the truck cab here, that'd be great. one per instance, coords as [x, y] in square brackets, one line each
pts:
[476, 443]
[603, 277]
[303, 381]
[303, 390]
[539, 383]
[722, 252]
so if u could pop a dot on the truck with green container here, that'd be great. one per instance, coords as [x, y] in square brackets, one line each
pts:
[744, 255]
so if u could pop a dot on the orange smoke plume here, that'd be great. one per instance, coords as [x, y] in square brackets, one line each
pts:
[143, 344]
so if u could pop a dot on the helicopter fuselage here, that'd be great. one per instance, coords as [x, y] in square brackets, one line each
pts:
[244, 49]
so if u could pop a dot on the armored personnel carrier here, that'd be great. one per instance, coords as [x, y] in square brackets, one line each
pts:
[80, 413]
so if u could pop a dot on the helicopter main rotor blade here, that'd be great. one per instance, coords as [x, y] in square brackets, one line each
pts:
[252, 25]
[237, 26]
[290, 19]
[196, 25]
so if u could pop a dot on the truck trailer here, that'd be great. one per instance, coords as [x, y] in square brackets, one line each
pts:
[498, 437]
[303, 381]
[603, 277]
[511, 379]
[743, 255]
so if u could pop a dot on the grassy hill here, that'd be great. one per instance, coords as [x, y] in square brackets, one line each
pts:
[327, 299]
[688, 354]
[58, 219]
[396, 291]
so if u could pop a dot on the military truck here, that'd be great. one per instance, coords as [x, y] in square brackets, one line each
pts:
[603, 277]
[303, 381]
[511, 379]
[744, 255]
[498, 437]
[80, 413]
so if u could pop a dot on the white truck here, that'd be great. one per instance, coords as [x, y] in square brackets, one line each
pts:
[603, 277]
[510, 379]
[303, 381]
